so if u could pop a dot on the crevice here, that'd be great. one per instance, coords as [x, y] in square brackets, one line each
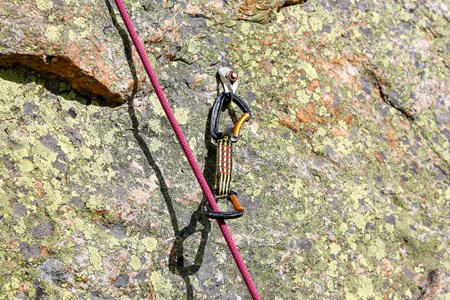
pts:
[64, 69]
[200, 15]
[431, 286]
[287, 3]
[183, 60]
[386, 99]
[263, 11]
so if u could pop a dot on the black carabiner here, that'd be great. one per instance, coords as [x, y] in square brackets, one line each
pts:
[223, 215]
[217, 109]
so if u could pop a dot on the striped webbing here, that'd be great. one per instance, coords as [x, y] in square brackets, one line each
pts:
[223, 166]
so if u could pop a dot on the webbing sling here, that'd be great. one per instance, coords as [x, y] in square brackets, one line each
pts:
[224, 165]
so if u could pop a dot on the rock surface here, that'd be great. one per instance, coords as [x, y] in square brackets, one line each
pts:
[344, 169]
[73, 41]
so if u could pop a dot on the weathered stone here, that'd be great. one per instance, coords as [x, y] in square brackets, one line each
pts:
[343, 169]
[53, 270]
[19, 210]
[70, 40]
[122, 281]
[29, 251]
[42, 230]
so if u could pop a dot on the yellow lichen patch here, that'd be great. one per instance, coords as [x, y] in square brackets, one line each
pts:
[161, 285]
[53, 33]
[135, 263]
[95, 258]
[149, 243]
[44, 4]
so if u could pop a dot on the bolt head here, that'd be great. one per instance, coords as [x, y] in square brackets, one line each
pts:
[232, 76]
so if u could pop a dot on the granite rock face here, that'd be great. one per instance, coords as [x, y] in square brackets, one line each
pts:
[344, 169]
[73, 41]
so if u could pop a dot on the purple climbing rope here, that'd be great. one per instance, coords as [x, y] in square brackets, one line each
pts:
[187, 150]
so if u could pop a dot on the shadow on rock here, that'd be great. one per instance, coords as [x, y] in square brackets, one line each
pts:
[177, 260]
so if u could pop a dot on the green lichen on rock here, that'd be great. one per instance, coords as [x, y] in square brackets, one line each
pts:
[49, 208]
[343, 169]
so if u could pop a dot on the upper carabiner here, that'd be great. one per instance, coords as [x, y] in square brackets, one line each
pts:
[230, 81]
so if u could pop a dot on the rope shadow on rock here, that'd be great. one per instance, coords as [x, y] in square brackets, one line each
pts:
[177, 256]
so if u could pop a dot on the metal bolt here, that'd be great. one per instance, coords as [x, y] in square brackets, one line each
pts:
[232, 76]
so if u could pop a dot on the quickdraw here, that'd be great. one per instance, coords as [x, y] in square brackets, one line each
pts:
[253, 290]
[224, 141]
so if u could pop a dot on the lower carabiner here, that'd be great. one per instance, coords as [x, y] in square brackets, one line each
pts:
[223, 215]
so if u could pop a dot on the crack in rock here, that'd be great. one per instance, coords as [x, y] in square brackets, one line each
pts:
[388, 99]
[292, 2]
